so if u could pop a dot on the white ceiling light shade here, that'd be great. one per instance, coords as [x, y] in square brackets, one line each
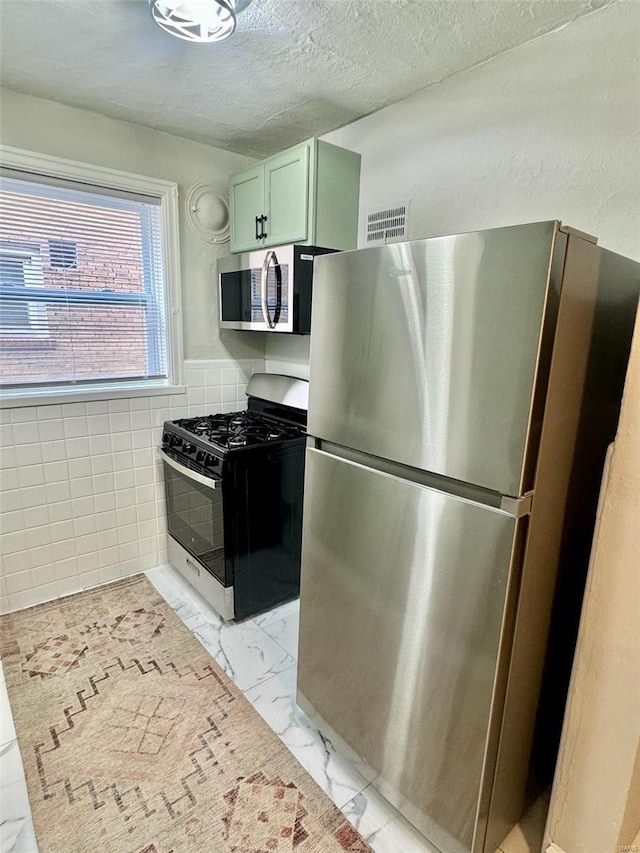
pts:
[199, 21]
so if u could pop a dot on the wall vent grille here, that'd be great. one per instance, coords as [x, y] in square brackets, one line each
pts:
[388, 224]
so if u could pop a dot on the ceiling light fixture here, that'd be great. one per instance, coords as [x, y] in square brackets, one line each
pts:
[198, 21]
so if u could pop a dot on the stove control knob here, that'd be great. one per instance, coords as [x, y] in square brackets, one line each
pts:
[174, 440]
[201, 457]
[188, 448]
[210, 461]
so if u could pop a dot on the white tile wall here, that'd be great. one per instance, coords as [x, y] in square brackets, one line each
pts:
[82, 496]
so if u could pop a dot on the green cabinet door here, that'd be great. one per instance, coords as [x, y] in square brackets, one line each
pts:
[286, 179]
[246, 203]
[307, 194]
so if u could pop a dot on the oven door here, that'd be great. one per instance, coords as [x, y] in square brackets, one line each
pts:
[195, 515]
[256, 290]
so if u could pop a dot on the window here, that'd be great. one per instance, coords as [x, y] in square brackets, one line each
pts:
[63, 253]
[85, 297]
[20, 267]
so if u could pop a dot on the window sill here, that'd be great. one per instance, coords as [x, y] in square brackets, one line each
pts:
[28, 341]
[53, 398]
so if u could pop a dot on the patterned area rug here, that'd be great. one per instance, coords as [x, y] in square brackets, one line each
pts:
[135, 741]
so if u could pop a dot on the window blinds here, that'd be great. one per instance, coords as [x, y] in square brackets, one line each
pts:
[82, 287]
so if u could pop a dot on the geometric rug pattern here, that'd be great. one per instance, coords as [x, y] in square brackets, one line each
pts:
[134, 740]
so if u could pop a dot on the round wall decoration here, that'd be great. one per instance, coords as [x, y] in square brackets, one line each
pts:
[208, 212]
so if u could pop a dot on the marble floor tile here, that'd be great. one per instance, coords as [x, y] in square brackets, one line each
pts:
[398, 835]
[275, 702]
[278, 613]
[382, 827]
[285, 633]
[7, 729]
[16, 825]
[243, 650]
[179, 594]
[363, 813]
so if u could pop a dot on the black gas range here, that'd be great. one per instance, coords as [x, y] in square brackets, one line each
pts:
[234, 485]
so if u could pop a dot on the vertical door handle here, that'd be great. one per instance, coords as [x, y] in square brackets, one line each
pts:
[263, 219]
[270, 256]
[278, 272]
[258, 220]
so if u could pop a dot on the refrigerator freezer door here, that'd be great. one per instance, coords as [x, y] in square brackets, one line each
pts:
[402, 601]
[427, 352]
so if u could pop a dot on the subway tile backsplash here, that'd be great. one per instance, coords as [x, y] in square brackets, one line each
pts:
[82, 494]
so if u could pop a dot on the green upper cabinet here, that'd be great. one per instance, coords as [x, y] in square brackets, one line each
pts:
[286, 182]
[307, 195]
[247, 194]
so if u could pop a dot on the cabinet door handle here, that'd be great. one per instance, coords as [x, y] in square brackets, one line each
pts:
[258, 220]
[263, 219]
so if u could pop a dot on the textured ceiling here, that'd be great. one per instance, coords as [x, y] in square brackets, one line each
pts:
[293, 69]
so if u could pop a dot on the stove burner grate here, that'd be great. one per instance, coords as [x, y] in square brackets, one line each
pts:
[238, 429]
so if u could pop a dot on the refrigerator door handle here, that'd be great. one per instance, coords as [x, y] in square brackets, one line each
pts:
[517, 507]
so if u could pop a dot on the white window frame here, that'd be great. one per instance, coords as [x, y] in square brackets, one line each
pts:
[33, 277]
[167, 193]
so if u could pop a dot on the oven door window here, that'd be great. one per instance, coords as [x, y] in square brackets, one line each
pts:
[195, 520]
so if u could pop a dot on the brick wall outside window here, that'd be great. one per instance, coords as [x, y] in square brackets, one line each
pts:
[78, 340]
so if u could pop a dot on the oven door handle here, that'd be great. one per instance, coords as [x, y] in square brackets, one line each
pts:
[270, 256]
[209, 482]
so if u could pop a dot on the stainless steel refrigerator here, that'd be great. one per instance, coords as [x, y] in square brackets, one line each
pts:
[463, 391]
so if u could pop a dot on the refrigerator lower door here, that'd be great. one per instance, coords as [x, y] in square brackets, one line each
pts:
[402, 608]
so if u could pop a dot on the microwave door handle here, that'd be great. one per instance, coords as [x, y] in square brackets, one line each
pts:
[263, 288]
[209, 482]
[278, 272]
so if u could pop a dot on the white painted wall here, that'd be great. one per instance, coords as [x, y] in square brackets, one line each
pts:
[550, 130]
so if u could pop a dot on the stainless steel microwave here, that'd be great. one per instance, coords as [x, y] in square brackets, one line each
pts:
[268, 290]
